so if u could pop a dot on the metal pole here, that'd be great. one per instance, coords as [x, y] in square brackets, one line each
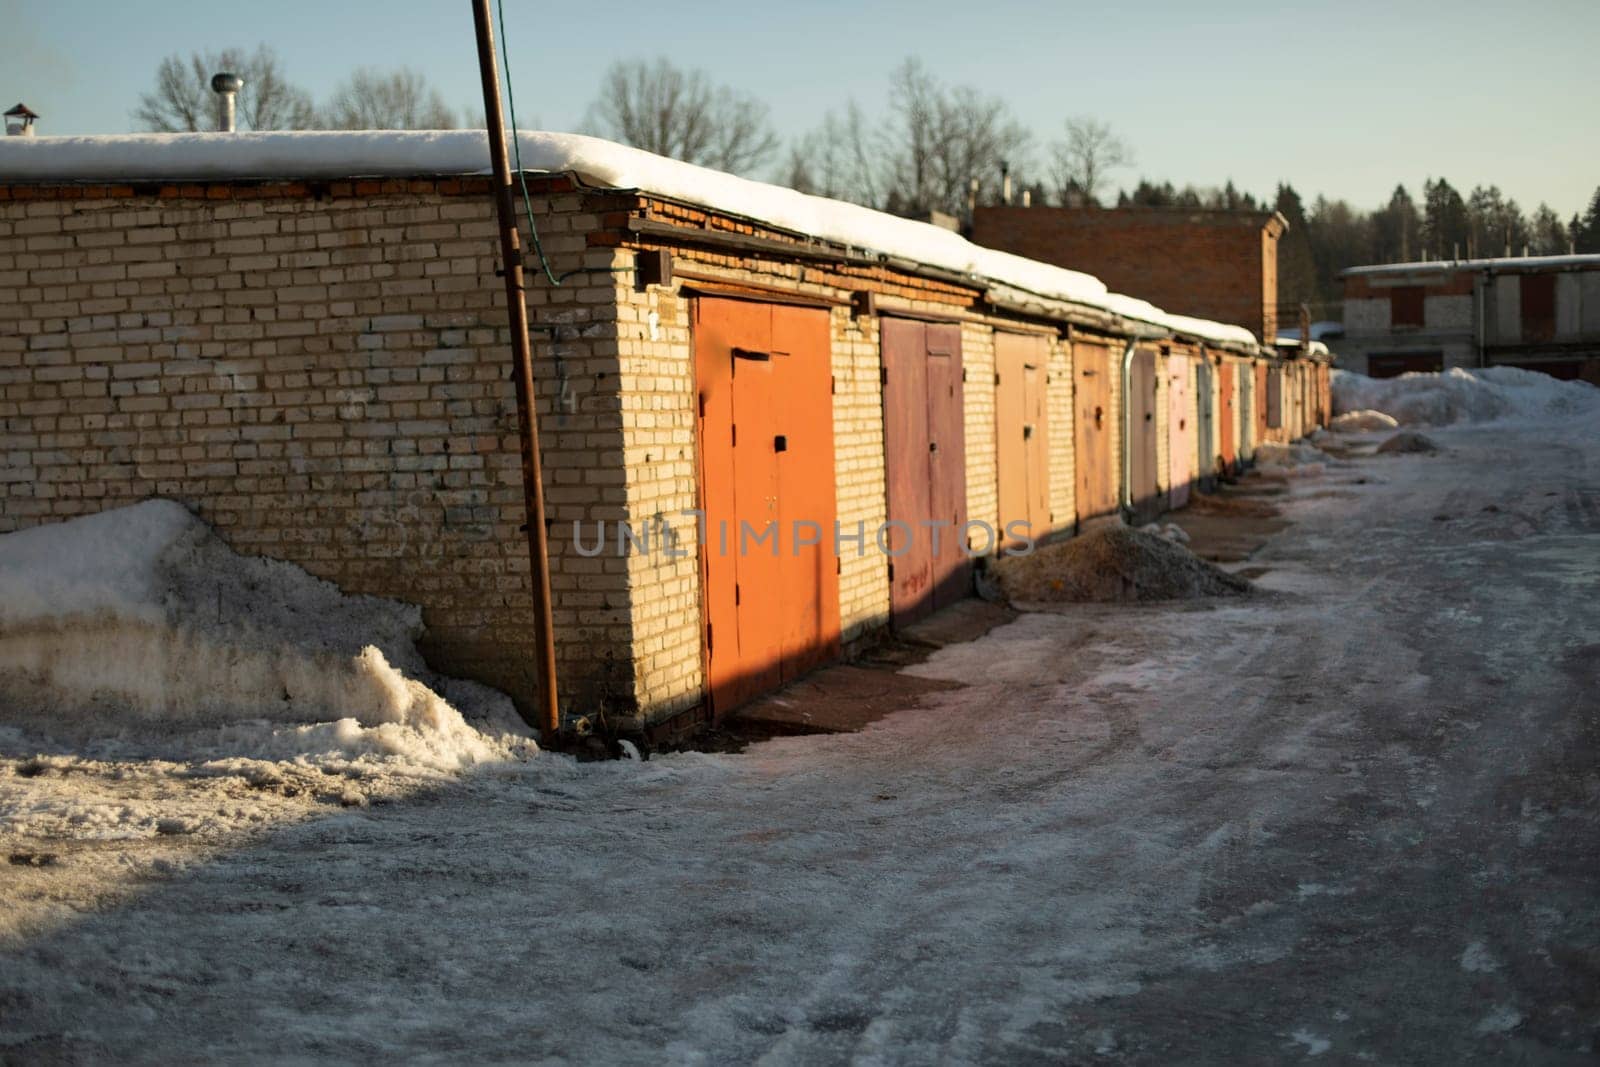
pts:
[522, 356]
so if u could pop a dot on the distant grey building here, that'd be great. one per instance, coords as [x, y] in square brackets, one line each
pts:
[1536, 312]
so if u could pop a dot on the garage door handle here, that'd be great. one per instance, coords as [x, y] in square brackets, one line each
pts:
[780, 443]
[1027, 430]
[933, 446]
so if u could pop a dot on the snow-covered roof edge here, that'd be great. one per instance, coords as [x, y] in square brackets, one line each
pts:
[1317, 347]
[396, 153]
[1580, 260]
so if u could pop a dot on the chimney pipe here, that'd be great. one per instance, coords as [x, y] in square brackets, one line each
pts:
[1005, 183]
[226, 86]
[1027, 198]
[19, 121]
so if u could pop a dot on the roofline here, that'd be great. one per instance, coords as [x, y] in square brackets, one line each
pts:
[312, 155]
[1577, 261]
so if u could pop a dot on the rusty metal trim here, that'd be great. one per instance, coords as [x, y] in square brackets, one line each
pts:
[698, 283]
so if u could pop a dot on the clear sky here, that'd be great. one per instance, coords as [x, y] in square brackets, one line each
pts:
[1344, 98]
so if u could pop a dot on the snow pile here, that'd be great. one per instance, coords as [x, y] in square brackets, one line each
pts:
[1366, 421]
[1458, 395]
[140, 622]
[409, 153]
[1298, 458]
[1113, 564]
[1408, 441]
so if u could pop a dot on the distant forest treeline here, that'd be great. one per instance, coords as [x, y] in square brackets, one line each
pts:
[1330, 235]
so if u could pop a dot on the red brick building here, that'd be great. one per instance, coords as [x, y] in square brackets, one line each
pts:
[1220, 265]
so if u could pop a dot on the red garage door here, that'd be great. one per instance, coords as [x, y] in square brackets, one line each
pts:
[764, 378]
[925, 453]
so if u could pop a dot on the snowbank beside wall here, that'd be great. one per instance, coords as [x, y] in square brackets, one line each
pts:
[141, 622]
[1457, 395]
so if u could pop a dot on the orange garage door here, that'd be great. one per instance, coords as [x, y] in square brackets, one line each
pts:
[764, 377]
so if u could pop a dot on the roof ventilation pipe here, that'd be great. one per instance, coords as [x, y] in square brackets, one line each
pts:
[227, 87]
[19, 121]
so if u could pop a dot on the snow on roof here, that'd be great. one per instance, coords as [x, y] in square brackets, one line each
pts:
[1579, 261]
[1285, 340]
[396, 153]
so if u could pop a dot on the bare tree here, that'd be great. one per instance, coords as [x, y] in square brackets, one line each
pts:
[183, 101]
[939, 139]
[923, 155]
[674, 112]
[387, 100]
[840, 159]
[1083, 159]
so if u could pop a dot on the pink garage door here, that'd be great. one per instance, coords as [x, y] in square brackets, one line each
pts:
[1180, 434]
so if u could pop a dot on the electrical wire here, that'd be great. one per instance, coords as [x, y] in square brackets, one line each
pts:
[516, 148]
[522, 177]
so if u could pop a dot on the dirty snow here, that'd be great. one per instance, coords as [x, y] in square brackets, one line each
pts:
[1457, 395]
[139, 623]
[1407, 441]
[1366, 421]
[1112, 563]
[1179, 833]
[408, 153]
[1297, 458]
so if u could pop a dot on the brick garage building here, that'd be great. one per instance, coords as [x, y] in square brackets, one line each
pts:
[303, 338]
[1539, 313]
[1220, 265]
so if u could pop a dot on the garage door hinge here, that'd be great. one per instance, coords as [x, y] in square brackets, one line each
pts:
[734, 438]
[833, 384]
[891, 572]
[883, 375]
[997, 377]
[736, 597]
[838, 565]
[708, 637]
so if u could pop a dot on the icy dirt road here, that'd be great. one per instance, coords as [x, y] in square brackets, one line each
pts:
[1353, 817]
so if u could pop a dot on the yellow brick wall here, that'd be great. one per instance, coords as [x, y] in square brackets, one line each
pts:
[859, 471]
[324, 379]
[1063, 475]
[978, 395]
[323, 375]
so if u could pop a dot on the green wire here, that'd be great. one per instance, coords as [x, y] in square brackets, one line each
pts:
[522, 178]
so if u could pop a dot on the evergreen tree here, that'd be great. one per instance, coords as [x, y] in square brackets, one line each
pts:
[1446, 230]
[1548, 234]
[1397, 228]
[1497, 226]
[1297, 272]
[1586, 231]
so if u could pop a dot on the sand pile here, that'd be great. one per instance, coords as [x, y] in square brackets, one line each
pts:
[1113, 564]
[1365, 421]
[1408, 441]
